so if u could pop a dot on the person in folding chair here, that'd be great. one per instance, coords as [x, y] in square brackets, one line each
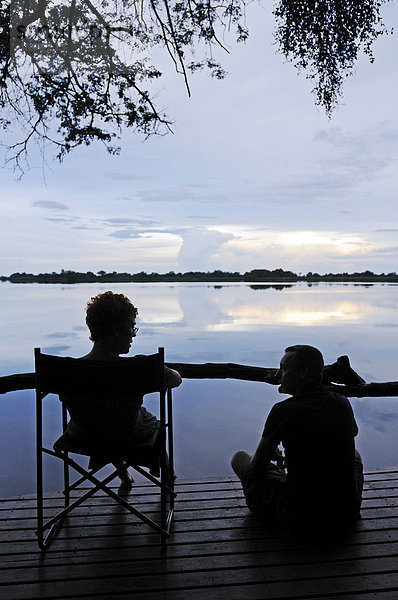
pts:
[120, 424]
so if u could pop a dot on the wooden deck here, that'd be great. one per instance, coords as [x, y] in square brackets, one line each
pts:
[217, 550]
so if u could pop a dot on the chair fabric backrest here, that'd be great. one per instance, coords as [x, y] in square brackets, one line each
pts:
[63, 375]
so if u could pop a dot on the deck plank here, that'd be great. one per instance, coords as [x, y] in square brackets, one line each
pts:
[217, 550]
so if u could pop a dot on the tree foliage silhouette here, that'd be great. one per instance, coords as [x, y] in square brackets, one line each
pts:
[75, 71]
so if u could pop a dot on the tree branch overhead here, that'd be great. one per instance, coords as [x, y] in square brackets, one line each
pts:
[73, 72]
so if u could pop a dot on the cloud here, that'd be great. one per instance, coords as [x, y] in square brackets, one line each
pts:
[51, 204]
[330, 172]
[127, 176]
[201, 248]
[126, 234]
[358, 157]
[338, 165]
[200, 217]
[387, 250]
[55, 349]
[241, 249]
[342, 243]
[62, 334]
[360, 142]
[61, 219]
[197, 185]
[201, 192]
[85, 227]
[256, 241]
[147, 222]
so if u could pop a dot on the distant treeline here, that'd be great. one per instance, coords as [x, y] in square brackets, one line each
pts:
[142, 277]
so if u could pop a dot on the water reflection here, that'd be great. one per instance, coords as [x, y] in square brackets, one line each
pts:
[258, 314]
[155, 307]
[33, 314]
[242, 323]
[232, 311]
[265, 286]
[325, 313]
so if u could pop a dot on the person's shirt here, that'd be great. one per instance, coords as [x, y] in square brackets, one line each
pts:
[317, 430]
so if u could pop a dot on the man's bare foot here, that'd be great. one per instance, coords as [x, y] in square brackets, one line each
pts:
[341, 372]
[126, 479]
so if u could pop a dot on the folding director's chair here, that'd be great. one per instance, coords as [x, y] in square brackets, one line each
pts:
[99, 381]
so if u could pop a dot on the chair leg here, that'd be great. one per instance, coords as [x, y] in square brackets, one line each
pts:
[66, 485]
[66, 466]
[82, 479]
[99, 485]
[39, 469]
[170, 438]
[60, 517]
[164, 478]
[163, 506]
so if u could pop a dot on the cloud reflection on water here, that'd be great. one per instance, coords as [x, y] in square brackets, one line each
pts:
[292, 314]
[239, 311]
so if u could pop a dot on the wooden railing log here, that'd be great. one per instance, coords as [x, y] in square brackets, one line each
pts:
[19, 381]
[23, 381]
[224, 371]
[367, 390]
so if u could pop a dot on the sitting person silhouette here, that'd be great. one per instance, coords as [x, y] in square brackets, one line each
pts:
[111, 319]
[322, 489]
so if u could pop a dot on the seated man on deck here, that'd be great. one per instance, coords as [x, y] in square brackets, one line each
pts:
[322, 489]
[121, 422]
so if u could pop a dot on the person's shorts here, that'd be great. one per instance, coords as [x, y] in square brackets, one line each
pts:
[266, 494]
[358, 466]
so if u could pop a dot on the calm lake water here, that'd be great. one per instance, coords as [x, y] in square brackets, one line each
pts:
[241, 323]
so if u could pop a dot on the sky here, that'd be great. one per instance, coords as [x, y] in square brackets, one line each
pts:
[254, 175]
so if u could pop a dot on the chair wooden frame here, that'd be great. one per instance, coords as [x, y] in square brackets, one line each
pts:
[50, 378]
